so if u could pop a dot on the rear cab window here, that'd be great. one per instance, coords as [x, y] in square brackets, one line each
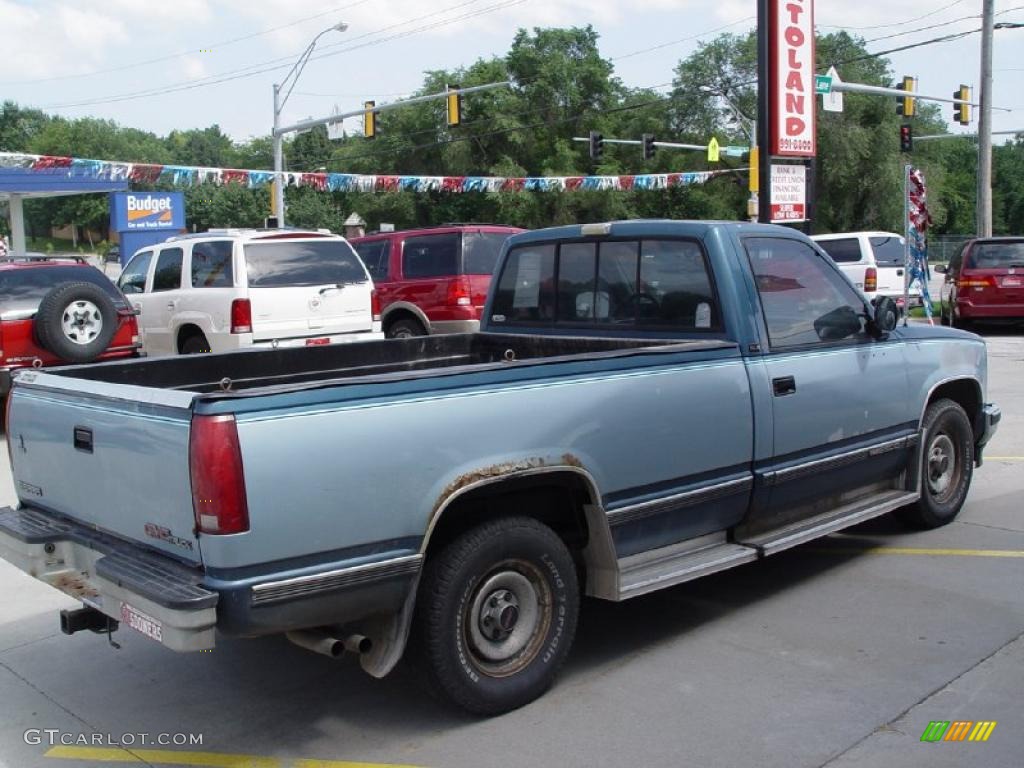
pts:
[292, 263]
[21, 290]
[635, 285]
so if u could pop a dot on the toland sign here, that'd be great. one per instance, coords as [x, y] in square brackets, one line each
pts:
[788, 193]
[791, 31]
[144, 211]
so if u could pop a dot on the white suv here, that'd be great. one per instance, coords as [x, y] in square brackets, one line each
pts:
[874, 261]
[228, 289]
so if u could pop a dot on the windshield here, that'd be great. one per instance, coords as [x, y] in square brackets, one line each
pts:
[888, 251]
[290, 263]
[23, 289]
[997, 255]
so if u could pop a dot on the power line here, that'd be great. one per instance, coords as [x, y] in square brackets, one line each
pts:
[180, 54]
[253, 70]
[895, 23]
[921, 29]
[681, 40]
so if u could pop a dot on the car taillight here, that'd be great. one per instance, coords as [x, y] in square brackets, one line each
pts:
[218, 483]
[241, 316]
[375, 304]
[968, 280]
[460, 292]
[870, 280]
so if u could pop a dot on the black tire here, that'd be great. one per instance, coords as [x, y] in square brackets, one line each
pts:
[405, 328]
[76, 321]
[947, 465]
[506, 575]
[195, 345]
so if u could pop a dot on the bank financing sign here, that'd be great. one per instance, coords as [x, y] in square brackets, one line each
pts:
[144, 211]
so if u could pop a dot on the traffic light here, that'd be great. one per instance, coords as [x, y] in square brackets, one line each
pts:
[906, 138]
[905, 105]
[649, 148]
[454, 105]
[369, 120]
[596, 145]
[962, 112]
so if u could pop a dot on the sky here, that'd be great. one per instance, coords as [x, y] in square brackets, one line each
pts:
[161, 65]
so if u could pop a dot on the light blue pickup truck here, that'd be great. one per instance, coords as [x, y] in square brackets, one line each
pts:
[648, 402]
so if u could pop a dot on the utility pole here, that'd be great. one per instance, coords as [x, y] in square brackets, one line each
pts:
[985, 122]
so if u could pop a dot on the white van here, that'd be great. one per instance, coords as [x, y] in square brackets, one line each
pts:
[874, 261]
[227, 289]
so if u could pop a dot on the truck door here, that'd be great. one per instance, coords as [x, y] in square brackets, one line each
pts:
[841, 418]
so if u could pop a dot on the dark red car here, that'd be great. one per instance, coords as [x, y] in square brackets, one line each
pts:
[985, 282]
[432, 280]
[55, 312]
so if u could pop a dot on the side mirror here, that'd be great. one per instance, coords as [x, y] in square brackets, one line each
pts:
[840, 323]
[886, 313]
[940, 268]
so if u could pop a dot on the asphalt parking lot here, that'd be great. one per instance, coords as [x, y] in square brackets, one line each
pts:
[837, 653]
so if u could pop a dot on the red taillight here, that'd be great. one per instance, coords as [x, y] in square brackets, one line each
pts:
[375, 305]
[241, 316]
[460, 292]
[967, 280]
[870, 280]
[218, 483]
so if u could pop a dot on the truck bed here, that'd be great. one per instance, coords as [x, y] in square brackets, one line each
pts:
[266, 371]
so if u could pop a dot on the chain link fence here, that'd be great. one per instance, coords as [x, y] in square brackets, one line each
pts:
[942, 248]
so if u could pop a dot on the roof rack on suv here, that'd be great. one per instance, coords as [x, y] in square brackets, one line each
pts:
[22, 257]
[245, 232]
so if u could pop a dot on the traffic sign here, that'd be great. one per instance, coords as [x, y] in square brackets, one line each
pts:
[713, 150]
[832, 101]
[822, 84]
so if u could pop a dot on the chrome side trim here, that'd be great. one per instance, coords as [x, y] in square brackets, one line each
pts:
[303, 586]
[679, 500]
[839, 460]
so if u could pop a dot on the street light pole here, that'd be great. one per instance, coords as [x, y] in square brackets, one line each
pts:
[750, 128]
[985, 122]
[277, 134]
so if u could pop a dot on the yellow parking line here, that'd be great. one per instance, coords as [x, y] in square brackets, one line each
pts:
[922, 551]
[203, 759]
[1004, 458]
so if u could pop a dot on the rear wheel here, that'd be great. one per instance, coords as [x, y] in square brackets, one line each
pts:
[405, 328]
[947, 465]
[496, 615]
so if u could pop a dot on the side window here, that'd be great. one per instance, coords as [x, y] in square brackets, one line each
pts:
[133, 276]
[375, 256]
[803, 299]
[675, 287]
[167, 276]
[845, 251]
[526, 290]
[211, 264]
[430, 256]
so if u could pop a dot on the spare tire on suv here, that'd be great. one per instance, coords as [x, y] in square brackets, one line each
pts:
[76, 321]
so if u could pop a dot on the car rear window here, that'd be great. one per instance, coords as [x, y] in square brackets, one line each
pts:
[291, 263]
[480, 252]
[845, 251]
[23, 289]
[431, 255]
[889, 251]
[997, 255]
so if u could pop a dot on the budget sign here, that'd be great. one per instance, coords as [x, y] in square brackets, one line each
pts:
[148, 211]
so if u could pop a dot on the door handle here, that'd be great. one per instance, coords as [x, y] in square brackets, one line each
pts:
[172, 304]
[784, 385]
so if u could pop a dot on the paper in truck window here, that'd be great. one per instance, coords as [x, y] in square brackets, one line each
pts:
[527, 291]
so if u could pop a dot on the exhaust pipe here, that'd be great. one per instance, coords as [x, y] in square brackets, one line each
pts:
[320, 642]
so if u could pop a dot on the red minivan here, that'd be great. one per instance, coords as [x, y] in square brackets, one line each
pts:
[985, 281]
[432, 280]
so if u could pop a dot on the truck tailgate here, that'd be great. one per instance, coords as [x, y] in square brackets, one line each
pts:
[111, 456]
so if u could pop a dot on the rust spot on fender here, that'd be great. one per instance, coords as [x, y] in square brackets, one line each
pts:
[500, 470]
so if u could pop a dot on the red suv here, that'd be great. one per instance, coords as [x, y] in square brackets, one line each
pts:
[985, 281]
[432, 280]
[54, 312]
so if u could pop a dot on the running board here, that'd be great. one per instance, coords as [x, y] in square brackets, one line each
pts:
[812, 528]
[665, 567]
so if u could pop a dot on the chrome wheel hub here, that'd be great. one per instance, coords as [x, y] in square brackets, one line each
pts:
[942, 465]
[81, 322]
